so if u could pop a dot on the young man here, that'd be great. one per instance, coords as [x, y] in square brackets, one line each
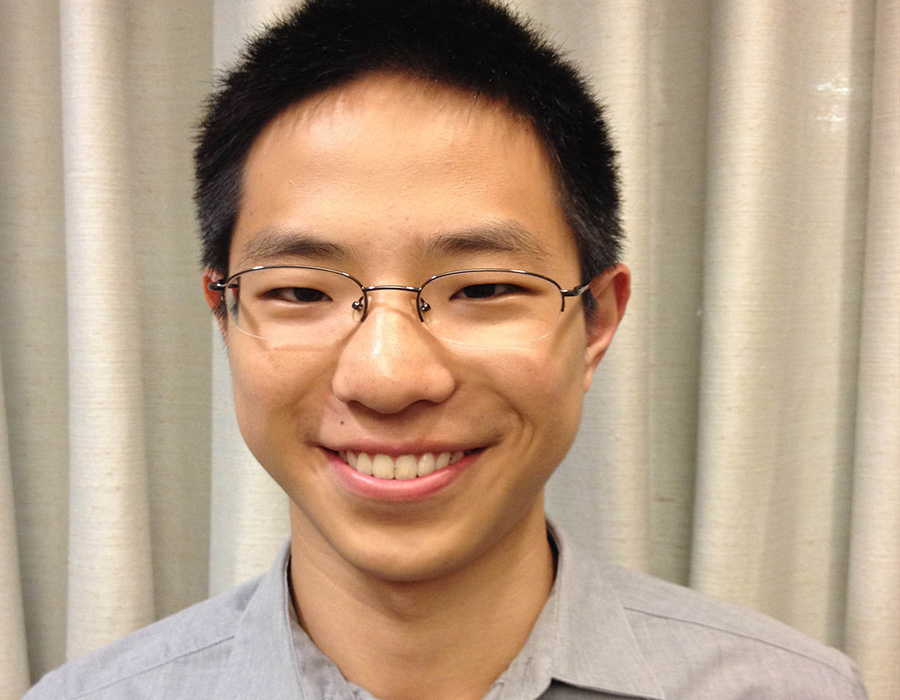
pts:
[409, 214]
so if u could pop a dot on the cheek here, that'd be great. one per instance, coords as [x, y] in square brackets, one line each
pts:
[541, 395]
[542, 384]
[271, 390]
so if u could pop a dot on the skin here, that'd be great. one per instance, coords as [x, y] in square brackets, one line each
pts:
[446, 588]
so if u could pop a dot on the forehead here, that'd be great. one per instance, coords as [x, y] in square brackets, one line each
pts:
[388, 164]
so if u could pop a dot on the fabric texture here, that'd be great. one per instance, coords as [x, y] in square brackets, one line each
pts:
[743, 433]
[605, 632]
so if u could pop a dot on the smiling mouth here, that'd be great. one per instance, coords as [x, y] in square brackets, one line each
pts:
[403, 467]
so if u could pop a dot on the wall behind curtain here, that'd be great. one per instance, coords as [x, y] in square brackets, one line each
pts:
[743, 434]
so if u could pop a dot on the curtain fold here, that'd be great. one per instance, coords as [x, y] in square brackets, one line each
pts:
[743, 432]
[785, 227]
[873, 606]
[33, 326]
[110, 587]
[13, 651]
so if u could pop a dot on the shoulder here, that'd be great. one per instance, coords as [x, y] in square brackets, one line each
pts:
[705, 645]
[156, 661]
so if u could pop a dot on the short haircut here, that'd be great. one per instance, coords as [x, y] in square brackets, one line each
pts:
[474, 45]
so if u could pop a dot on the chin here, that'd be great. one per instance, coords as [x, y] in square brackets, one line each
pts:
[408, 553]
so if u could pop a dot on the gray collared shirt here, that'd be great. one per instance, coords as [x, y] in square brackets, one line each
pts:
[605, 632]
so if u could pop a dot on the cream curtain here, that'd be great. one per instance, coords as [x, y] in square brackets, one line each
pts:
[743, 435]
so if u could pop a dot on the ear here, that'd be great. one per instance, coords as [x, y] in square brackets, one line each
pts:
[214, 299]
[610, 290]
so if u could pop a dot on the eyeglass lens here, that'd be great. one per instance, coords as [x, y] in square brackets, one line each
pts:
[305, 307]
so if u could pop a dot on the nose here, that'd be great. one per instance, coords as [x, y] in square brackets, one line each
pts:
[391, 361]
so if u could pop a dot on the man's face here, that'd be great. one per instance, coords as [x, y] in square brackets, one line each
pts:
[376, 175]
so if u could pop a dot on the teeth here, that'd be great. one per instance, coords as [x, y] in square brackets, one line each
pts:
[364, 464]
[404, 467]
[426, 464]
[382, 467]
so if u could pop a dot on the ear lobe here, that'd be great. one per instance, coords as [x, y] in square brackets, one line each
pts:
[611, 291]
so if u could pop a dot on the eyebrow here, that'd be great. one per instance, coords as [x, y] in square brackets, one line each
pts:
[277, 244]
[491, 237]
[272, 245]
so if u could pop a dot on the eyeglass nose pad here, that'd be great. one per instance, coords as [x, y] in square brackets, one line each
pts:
[424, 306]
[360, 307]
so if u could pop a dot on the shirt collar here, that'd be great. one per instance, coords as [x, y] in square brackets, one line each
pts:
[591, 643]
[262, 663]
[582, 638]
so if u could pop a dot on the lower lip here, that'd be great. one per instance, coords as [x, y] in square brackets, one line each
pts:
[417, 489]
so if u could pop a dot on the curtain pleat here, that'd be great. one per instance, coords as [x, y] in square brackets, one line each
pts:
[742, 434]
[33, 320]
[110, 586]
[680, 74]
[873, 608]
[14, 680]
[168, 75]
[785, 227]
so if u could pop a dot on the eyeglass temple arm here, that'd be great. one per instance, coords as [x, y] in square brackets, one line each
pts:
[576, 292]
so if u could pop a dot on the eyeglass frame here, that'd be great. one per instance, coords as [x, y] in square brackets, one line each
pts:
[422, 306]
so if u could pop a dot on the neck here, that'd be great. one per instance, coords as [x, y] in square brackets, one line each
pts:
[452, 636]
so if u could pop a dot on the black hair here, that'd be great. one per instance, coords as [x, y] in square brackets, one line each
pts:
[474, 45]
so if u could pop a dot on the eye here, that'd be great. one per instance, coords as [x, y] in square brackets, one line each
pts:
[292, 295]
[488, 290]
